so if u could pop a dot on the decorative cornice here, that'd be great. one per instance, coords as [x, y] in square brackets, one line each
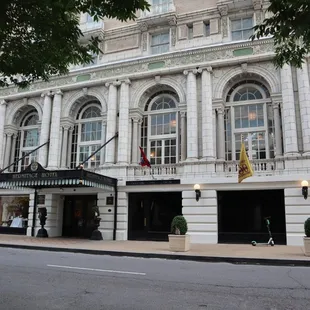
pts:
[206, 56]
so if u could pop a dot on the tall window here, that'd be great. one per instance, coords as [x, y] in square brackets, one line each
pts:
[242, 28]
[87, 136]
[160, 43]
[159, 131]
[27, 140]
[249, 116]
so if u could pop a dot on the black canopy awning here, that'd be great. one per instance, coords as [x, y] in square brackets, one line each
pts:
[35, 176]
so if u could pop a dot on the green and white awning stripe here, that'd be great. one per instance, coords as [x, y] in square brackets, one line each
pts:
[61, 182]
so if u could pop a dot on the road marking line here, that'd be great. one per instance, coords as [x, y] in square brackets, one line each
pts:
[100, 270]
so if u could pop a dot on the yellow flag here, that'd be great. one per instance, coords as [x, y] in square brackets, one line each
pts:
[245, 168]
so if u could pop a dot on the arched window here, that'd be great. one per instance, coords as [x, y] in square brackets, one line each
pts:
[27, 140]
[249, 116]
[159, 137]
[87, 136]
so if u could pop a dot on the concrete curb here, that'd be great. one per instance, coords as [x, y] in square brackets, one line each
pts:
[195, 258]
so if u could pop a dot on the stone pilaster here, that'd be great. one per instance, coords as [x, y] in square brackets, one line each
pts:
[123, 135]
[111, 122]
[14, 138]
[277, 129]
[53, 162]
[304, 97]
[70, 146]
[64, 149]
[214, 122]
[223, 9]
[289, 115]
[192, 115]
[207, 118]
[3, 105]
[8, 148]
[183, 136]
[135, 139]
[221, 133]
[45, 128]
[103, 140]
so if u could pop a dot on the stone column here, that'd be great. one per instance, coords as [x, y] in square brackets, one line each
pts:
[53, 162]
[304, 97]
[207, 117]
[135, 141]
[289, 115]
[214, 132]
[45, 128]
[69, 146]
[3, 105]
[14, 138]
[64, 151]
[192, 115]
[277, 129]
[221, 134]
[111, 122]
[103, 140]
[8, 149]
[183, 136]
[123, 135]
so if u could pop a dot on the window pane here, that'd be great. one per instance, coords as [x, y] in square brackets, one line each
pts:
[31, 138]
[247, 34]
[236, 35]
[247, 23]
[236, 24]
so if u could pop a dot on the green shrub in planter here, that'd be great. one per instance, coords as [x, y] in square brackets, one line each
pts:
[179, 225]
[307, 227]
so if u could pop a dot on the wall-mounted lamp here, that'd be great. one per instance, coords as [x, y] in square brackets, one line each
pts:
[197, 191]
[304, 190]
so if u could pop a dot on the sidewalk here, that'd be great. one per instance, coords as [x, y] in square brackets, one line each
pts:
[230, 253]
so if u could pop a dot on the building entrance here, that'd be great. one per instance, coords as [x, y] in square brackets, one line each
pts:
[241, 216]
[78, 216]
[150, 215]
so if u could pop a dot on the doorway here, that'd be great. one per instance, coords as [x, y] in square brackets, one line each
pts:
[150, 215]
[78, 216]
[241, 216]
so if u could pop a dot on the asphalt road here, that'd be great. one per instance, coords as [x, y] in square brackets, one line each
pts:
[50, 280]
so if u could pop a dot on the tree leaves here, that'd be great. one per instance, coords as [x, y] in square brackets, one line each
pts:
[289, 26]
[41, 38]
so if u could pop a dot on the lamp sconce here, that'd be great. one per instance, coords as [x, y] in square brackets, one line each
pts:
[304, 190]
[197, 191]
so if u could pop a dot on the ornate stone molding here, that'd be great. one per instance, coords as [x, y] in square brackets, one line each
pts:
[177, 59]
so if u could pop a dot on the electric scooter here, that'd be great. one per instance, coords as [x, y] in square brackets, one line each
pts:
[270, 242]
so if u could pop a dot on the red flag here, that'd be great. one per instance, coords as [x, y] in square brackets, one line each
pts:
[144, 161]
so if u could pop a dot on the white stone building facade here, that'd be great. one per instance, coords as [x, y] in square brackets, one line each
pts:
[184, 82]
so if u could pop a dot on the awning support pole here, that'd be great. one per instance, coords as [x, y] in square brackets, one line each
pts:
[16, 161]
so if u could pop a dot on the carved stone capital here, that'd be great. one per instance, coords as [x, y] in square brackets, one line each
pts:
[117, 83]
[172, 20]
[3, 102]
[58, 92]
[223, 9]
[143, 27]
[257, 4]
[47, 93]
[183, 114]
[126, 81]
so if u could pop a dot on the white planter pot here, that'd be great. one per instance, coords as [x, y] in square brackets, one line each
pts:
[307, 245]
[179, 243]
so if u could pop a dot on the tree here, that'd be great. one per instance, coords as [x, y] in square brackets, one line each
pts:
[289, 25]
[41, 38]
